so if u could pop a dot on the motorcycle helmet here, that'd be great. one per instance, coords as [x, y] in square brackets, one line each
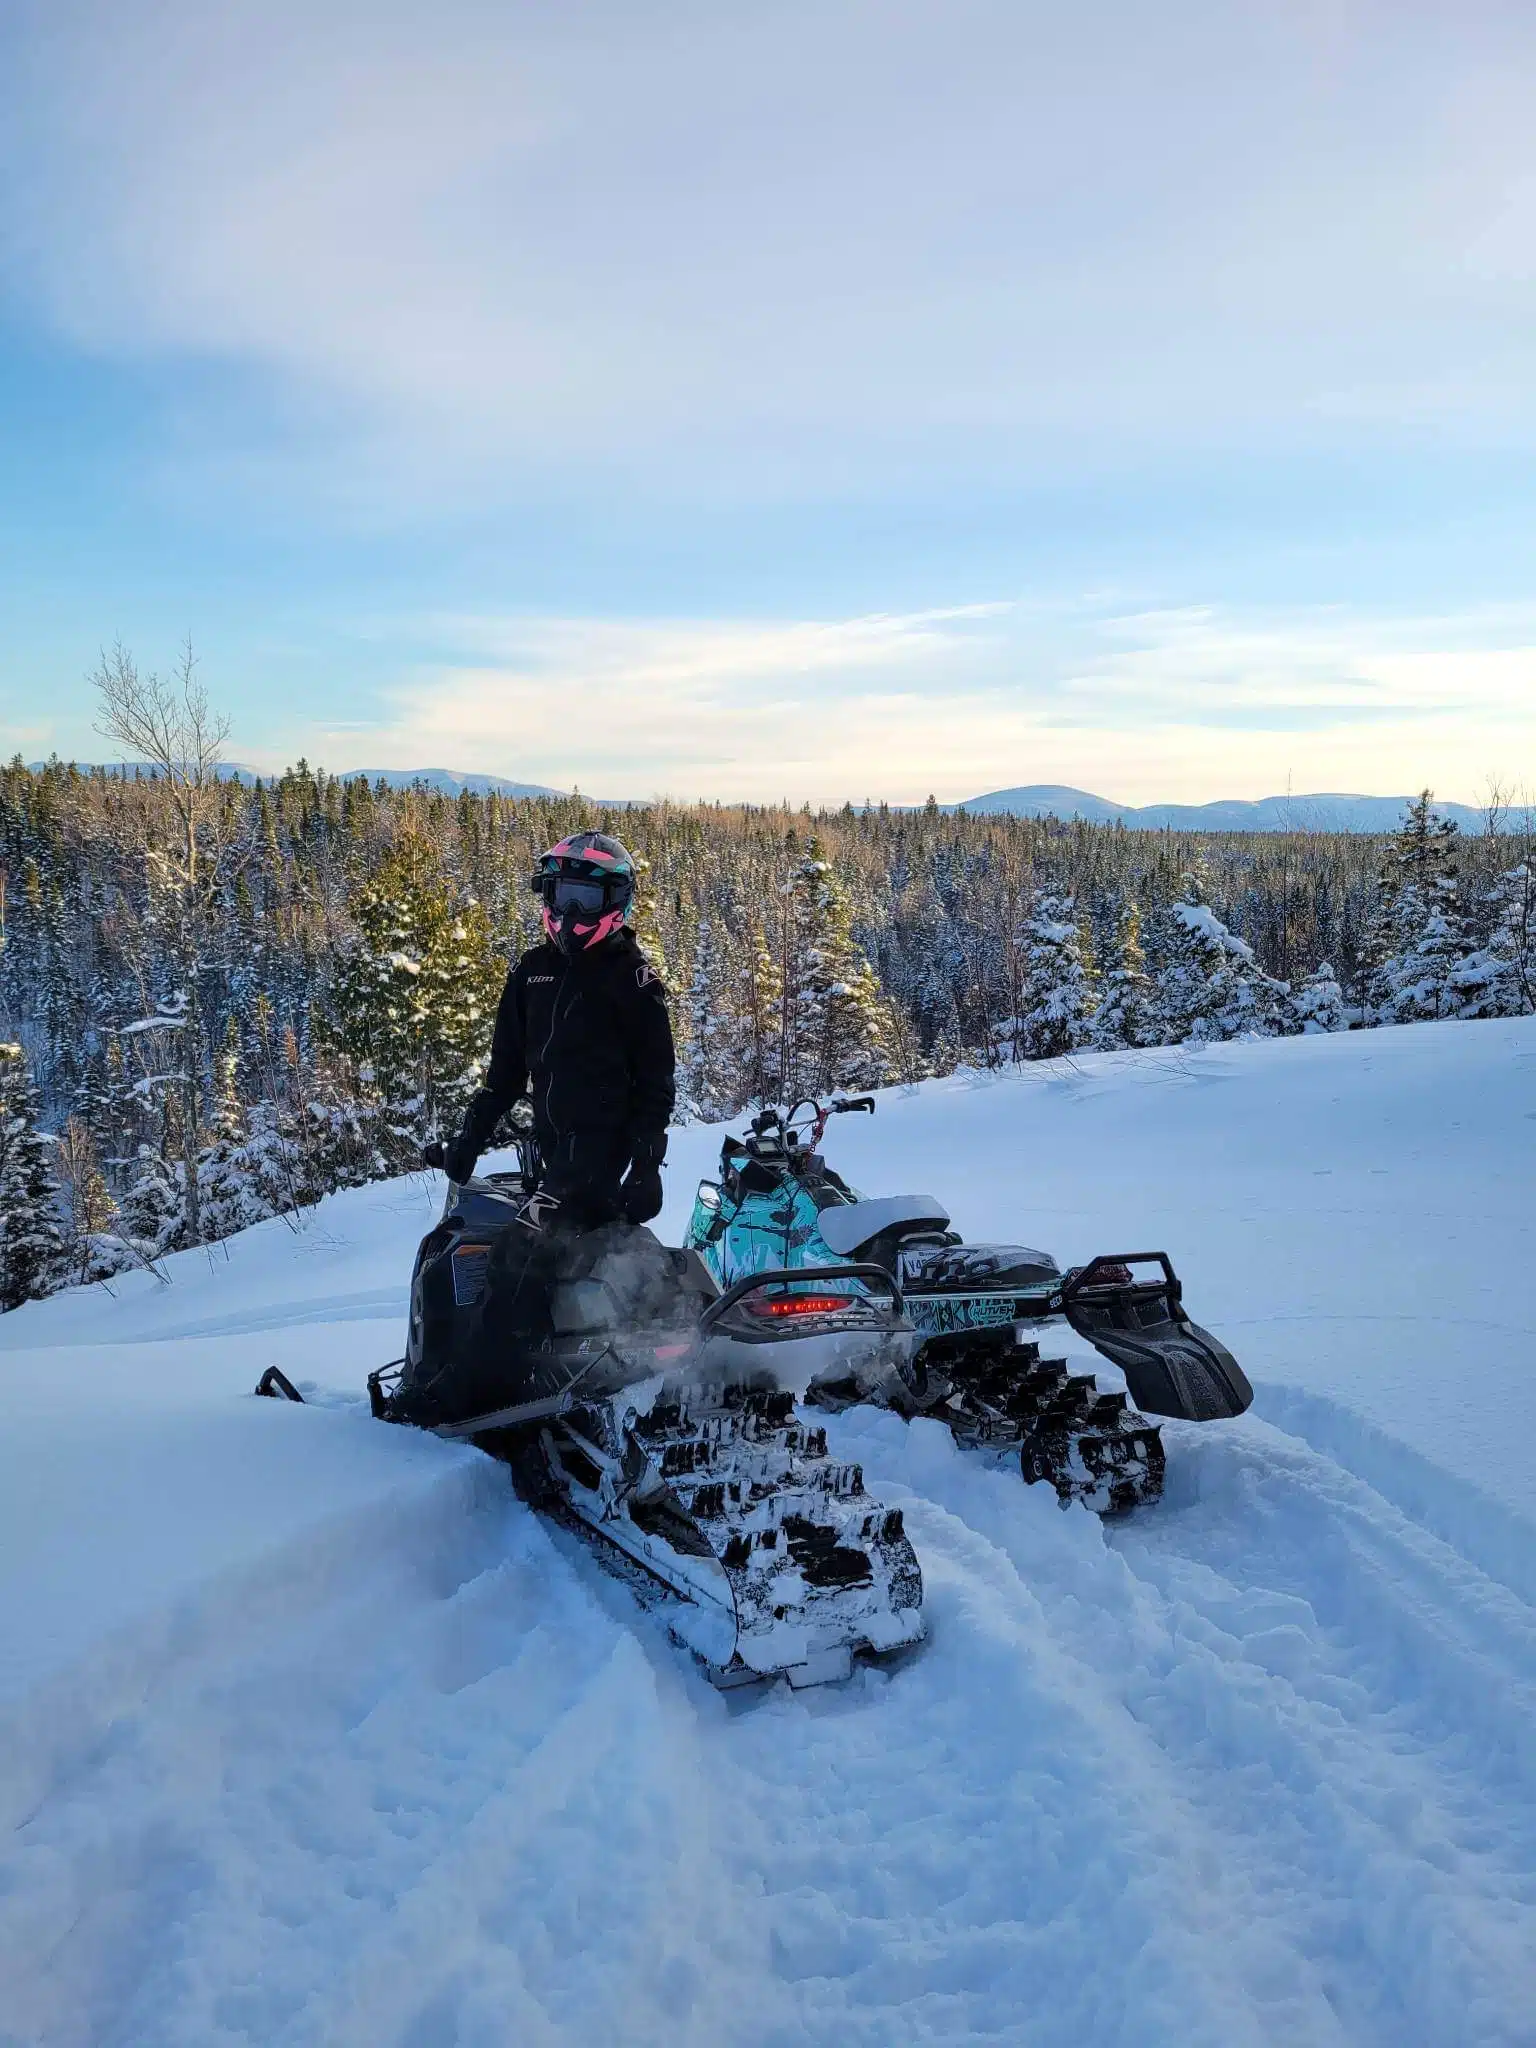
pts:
[586, 884]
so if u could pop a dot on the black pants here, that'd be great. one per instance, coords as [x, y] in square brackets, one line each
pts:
[583, 1169]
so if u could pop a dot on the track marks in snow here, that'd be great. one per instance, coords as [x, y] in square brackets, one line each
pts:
[1253, 1768]
[449, 1799]
[991, 1858]
[1471, 1521]
[372, 1304]
[1357, 1699]
[1338, 1706]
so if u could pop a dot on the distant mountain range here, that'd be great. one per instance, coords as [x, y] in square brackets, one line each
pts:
[452, 783]
[448, 781]
[1320, 812]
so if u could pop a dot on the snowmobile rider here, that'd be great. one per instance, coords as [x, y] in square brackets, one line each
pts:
[582, 1027]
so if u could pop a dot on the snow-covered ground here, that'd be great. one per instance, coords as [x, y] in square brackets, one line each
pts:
[310, 1733]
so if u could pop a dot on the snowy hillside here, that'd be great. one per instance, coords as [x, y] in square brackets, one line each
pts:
[311, 1734]
[1320, 811]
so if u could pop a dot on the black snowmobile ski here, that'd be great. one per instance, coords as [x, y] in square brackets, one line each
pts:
[1171, 1366]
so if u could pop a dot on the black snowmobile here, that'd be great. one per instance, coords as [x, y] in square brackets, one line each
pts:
[977, 1309]
[642, 1406]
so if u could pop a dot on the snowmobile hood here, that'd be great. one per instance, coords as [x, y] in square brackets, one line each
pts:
[845, 1228]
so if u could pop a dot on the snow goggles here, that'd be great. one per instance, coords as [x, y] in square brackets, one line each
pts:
[561, 890]
[566, 892]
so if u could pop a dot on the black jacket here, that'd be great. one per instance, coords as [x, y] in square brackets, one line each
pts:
[590, 1040]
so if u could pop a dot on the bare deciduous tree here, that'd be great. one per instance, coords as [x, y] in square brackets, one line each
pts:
[167, 724]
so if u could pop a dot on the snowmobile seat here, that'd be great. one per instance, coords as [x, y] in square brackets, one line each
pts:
[694, 1277]
[852, 1225]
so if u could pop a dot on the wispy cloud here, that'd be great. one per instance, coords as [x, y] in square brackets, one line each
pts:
[1162, 703]
[551, 320]
[814, 232]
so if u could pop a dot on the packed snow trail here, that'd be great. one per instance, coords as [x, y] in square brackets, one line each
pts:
[1254, 1769]
[310, 1733]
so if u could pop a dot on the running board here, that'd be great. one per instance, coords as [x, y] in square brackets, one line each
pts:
[1171, 1366]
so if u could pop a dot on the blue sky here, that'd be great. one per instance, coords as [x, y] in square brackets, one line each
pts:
[819, 400]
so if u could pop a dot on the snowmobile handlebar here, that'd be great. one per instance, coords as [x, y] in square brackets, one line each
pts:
[785, 1123]
[1111, 1269]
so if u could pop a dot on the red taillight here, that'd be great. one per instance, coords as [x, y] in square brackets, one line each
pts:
[800, 1304]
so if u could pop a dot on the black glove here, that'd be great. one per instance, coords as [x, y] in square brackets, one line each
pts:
[461, 1155]
[640, 1195]
[460, 1158]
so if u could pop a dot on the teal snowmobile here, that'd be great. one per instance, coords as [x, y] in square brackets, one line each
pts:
[979, 1310]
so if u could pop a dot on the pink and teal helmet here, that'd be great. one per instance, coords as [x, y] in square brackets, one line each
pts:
[586, 884]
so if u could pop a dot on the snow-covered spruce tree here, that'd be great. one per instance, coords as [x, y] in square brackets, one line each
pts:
[708, 1072]
[62, 1009]
[411, 1000]
[1127, 1009]
[756, 993]
[92, 1107]
[255, 1166]
[342, 1139]
[645, 918]
[1318, 1005]
[117, 1112]
[1419, 939]
[231, 1198]
[1498, 979]
[922, 975]
[96, 1250]
[835, 1031]
[33, 1255]
[1514, 935]
[1058, 994]
[1422, 979]
[1209, 985]
[152, 1210]
[263, 1173]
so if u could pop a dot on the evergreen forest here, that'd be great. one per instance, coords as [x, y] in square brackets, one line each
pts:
[221, 998]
